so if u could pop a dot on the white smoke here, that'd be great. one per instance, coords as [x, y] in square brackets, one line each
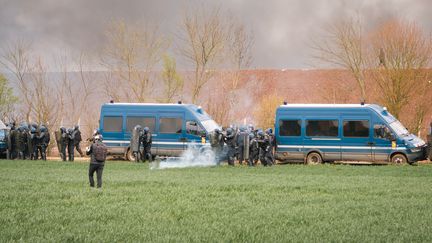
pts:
[194, 156]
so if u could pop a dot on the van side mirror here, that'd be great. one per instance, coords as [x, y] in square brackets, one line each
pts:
[392, 137]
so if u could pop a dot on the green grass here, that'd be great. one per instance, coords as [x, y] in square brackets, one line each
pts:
[51, 201]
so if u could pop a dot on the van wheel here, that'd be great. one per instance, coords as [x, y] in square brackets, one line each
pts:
[313, 159]
[130, 156]
[399, 159]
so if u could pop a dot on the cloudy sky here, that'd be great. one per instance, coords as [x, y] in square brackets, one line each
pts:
[282, 29]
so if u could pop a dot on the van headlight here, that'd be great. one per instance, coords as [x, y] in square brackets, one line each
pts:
[416, 150]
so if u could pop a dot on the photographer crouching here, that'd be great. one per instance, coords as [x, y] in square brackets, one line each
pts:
[98, 152]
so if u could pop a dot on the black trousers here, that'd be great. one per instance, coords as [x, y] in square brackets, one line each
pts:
[147, 153]
[70, 150]
[231, 155]
[63, 151]
[98, 168]
[78, 148]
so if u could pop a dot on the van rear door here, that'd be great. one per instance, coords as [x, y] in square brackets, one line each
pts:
[170, 138]
[356, 144]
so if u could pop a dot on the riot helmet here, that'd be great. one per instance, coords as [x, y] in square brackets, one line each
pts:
[229, 131]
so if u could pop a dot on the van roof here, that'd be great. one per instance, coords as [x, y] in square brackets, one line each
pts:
[202, 115]
[328, 105]
[377, 108]
[150, 104]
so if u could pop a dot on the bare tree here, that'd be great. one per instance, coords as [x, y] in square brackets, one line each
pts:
[44, 106]
[130, 54]
[15, 58]
[401, 53]
[344, 46]
[171, 78]
[240, 42]
[204, 39]
[73, 93]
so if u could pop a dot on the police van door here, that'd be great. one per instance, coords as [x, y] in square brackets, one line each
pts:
[356, 139]
[322, 134]
[383, 145]
[195, 133]
[170, 141]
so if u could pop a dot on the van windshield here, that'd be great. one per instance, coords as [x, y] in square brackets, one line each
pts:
[399, 128]
[2, 135]
[210, 125]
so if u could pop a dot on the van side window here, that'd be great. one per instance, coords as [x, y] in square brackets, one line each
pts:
[192, 127]
[289, 127]
[113, 123]
[322, 128]
[170, 125]
[358, 129]
[132, 121]
[381, 131]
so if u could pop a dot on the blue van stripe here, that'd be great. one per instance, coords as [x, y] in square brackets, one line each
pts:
[155, 142]
[341, 147]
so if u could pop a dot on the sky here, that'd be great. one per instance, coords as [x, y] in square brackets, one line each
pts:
[282, 29]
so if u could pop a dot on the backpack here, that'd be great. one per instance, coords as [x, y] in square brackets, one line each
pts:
[100, 152]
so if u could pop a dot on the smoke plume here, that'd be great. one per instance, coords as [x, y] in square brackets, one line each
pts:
[194, 156]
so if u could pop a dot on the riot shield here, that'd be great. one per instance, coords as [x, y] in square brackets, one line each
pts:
[135, 139]
[58, 138]
[246, 147]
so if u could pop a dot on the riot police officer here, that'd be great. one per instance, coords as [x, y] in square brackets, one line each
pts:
[253, 150]
[272, 143]
[61, 138]
[42, 140]
[264, 145]
[231, 142]
[19, 142]
[77, 140]
[146, 140]
[70, 144]
[217, 143]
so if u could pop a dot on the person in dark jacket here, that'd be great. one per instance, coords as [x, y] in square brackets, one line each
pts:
[95, 151]
[254, 150]
[272, 142]
[146, 140]
[63, 142]
[264, 144]
[231, 142]
[241, 142]
[217, 143]
[77, 140]
[70, 144]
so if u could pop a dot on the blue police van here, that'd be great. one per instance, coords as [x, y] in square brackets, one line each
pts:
[3, 138]
[173, 126]
[317, 133]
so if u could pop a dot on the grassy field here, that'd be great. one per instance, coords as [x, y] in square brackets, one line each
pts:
[51, 201]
